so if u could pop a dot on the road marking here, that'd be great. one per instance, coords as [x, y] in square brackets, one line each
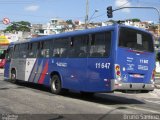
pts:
[143, 109]
[156, 102]
[135, 108]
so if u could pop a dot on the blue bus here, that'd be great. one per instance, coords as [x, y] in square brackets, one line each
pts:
[103, 59]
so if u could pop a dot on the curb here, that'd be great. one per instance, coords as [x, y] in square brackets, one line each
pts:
[157, 86]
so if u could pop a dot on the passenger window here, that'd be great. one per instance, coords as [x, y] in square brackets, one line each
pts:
[100, 44]
[78, 47]
[45, 49]
[60, 47]
[16, 51]
[24, 50]
[33, 49]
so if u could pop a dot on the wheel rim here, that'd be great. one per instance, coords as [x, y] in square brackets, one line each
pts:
[55, 85]
[13, 76]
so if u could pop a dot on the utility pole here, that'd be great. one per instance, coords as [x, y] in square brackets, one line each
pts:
[87, 11]
[89, 19]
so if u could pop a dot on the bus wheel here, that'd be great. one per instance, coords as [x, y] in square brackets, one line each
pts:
[13, 76]
[56, 87]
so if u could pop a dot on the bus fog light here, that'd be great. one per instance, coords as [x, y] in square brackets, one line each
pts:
[116, 82]
[152, 81]
[119, 78]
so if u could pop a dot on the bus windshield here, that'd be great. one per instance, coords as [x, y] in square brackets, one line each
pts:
[135, 39]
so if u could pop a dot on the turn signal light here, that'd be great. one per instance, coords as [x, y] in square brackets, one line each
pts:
[117, 67]
[117, 71]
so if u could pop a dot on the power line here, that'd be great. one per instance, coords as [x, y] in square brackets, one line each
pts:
[124, 4]
[105, 12]
[99, 15]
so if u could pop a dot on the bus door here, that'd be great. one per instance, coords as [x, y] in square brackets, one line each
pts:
[99, 62]
[19, 61]
[135, 56]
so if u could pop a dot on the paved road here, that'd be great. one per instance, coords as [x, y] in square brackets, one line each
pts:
[34, 101]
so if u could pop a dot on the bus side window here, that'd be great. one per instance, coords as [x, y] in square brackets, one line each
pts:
[100, 44]
[97, 48]
[24, 50]
[60, 47]
[84, 43]
[16, 51]
[79, 46]
[33, 50]
[40, 50]
[45, 49]
[30, 53]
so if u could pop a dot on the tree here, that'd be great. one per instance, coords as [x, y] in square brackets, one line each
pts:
[113, 21]
[19, 26]
[69, 22]
[136, 20]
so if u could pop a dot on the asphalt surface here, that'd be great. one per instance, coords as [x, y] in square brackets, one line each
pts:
[32, 101]
[157, 82]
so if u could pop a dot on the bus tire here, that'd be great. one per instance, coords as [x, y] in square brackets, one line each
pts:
[56, 87]
[13, 76]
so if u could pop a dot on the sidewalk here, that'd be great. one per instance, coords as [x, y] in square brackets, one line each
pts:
[156, 92]
[157, 83]
[157, 80]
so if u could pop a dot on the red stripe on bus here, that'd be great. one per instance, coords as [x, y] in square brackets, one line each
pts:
[43, 74]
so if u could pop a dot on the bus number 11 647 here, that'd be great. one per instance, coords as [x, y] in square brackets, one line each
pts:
[102, 65]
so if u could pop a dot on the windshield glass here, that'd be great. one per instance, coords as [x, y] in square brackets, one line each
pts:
[135, 39]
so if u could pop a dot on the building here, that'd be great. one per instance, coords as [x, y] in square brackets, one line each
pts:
[54, 26]
[106, 23]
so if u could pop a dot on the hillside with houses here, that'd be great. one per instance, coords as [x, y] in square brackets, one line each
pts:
[56, 26]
